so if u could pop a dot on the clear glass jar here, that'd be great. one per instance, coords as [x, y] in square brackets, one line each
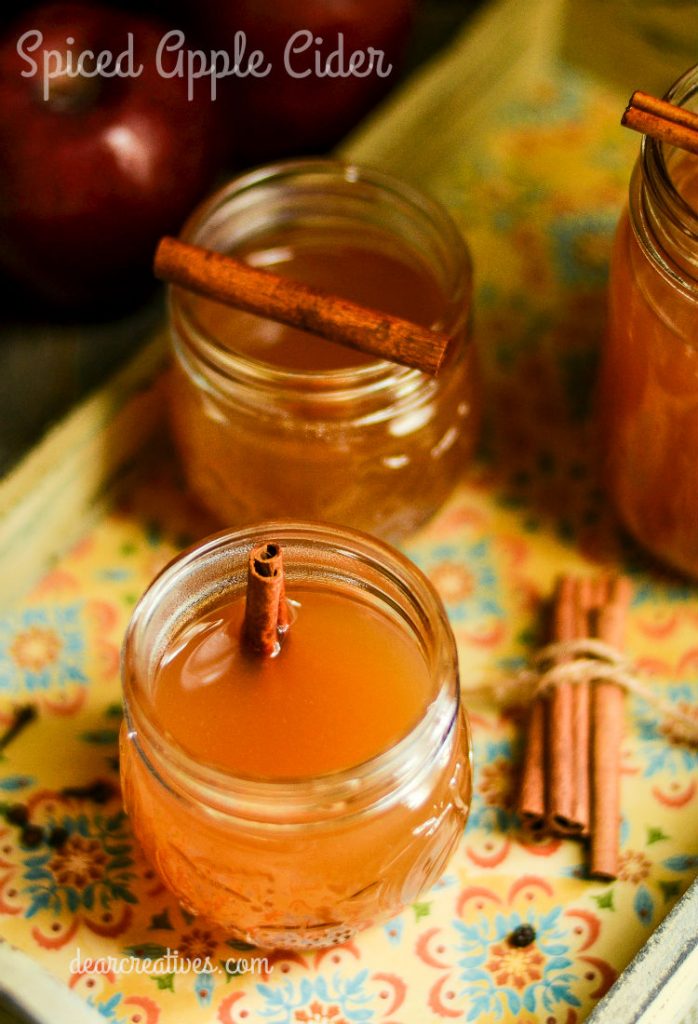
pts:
[308, 862]
[649, 374]
[376, 446]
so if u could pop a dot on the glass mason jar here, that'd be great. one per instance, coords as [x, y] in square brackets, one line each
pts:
[307, 862]
[649, 374]
[376, 446]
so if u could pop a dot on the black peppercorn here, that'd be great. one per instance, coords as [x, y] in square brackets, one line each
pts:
[32, 836]
[522, 936]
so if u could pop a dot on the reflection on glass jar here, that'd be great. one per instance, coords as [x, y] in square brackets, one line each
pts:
[277, 857]
[649, 378]
[272, 421]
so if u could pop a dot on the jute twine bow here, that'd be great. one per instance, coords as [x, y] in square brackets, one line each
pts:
[584, 661]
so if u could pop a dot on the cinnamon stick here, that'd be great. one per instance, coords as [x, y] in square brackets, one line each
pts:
[581, 712]
[607, 737]
[561, 809]
[228, 280]
[532, 793]
[548, 735]
[266, 611]
[662, 120]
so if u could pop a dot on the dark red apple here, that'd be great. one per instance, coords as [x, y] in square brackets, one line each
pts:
[281, 114]
[91, 177]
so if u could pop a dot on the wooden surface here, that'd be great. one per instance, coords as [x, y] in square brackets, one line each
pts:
[46, 502]
[47, 368]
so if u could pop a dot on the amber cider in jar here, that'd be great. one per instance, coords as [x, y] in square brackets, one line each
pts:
[296, 799]
[649, 376]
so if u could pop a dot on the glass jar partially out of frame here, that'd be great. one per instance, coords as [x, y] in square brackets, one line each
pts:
[649, 377]
[273, 421]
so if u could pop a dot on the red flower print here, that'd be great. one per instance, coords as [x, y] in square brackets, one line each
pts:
[511, 965]
[35, 648]
[319, 1014]
[633, 866]
[79, 862]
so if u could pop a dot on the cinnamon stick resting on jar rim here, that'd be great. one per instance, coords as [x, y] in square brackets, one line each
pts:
[231, 281]
[266, 611]
[663, 121]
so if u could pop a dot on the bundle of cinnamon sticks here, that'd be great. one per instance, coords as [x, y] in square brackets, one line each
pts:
[570, 782]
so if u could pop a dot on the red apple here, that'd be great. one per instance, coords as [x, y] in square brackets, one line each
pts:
[93, 175]
[281, 114]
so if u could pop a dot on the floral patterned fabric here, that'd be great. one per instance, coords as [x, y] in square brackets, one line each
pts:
[538, 201]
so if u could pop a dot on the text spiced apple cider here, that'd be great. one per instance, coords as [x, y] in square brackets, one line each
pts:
[344, 436]
[298, 770]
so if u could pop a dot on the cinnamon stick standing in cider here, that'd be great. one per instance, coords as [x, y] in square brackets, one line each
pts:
[607, 737]
[235, 283]
[266, 611]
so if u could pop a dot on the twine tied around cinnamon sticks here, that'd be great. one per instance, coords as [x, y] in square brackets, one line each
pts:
[595, 661]
[570, 782]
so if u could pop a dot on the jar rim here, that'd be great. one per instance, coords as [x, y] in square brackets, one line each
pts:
[666, 196]
[344, 381]
[247, 796]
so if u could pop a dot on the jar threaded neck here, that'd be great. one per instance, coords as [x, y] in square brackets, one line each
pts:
[664, 217]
